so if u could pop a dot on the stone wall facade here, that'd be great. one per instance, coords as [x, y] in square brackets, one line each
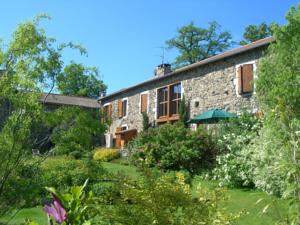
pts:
[213, 85]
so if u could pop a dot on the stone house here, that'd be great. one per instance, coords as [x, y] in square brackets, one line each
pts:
[222, 81]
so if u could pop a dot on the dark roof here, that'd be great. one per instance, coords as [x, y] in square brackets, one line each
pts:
[235, 51]
[57, 99]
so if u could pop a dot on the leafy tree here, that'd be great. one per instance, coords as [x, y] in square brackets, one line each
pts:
[183, 111]
[278, 89]
[74, 129]
[196, 43]
[30, 63]
[78, 80]
[146, 123]
[255, 32]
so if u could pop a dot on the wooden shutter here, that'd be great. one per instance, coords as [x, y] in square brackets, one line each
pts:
[109, 112]
[247, 77]
[102, 114]
[239, 79]
[120, 109]
[144, 102]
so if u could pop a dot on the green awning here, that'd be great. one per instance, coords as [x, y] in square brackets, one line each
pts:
[212, 115]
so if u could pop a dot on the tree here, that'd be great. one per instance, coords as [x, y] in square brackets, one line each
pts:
[183, 111]
[30, 63]
[78, 80]
[146, 123]
[256, 32]
[196, 43]
[278, 90]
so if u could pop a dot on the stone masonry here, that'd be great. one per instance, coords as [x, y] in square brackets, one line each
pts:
[212, 85]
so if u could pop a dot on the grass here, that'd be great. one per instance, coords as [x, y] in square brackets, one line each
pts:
[239, 200]
[19, 217]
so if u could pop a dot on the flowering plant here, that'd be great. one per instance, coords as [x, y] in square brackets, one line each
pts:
[73, 207]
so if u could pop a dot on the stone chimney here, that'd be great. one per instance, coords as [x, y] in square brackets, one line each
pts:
[162, 69]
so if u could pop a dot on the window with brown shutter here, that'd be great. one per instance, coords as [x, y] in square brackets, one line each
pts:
[120, 109]
[144, 103]
[245, 79]
[107, 112]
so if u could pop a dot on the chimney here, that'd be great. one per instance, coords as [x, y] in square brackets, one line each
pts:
[162, 69]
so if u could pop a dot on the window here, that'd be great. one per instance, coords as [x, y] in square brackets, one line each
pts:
[169, 98]
[245, 79]
[107, 112]
[144, 103]
[122, 108]
[163, 101]
[175, 98]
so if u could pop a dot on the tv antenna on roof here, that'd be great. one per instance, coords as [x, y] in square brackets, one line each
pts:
[162, 56]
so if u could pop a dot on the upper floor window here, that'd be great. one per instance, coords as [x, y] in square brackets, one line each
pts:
[107, 112]
[169, 98]
[163, 101]
[245, 79]
[175, 98]
[124, 107]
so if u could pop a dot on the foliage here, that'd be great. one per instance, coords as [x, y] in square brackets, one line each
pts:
[174, 147]
[106, 155]
[234, 163]
[160, 199]
[74, 129]
[69, 172]
[75, 155]
[77, 203]
[183, 111]
[78, 80]
[30, 62]
[256, 32]
[196, 43]
[146, 123]
[278, 89]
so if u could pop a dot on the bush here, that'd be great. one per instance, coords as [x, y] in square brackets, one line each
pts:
[174, 147]
[75, 155]
[106, 155]
[63, 172]
[234, 165]
[74, 129]
[162, 199]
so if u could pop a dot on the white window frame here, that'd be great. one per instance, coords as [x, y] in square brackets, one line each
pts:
[125, 125]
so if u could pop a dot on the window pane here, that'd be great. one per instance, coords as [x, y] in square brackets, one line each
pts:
[176, 91]
[124, 108]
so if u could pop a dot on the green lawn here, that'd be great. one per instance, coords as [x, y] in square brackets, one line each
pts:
[239, 199]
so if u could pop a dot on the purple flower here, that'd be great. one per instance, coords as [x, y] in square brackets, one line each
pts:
[56, 210]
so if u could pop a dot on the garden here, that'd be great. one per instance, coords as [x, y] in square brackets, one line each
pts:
[245, 172]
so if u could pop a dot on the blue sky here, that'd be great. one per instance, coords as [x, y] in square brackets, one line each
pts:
[123, 36]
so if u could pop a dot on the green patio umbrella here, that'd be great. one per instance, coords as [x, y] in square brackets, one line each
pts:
[212, 115]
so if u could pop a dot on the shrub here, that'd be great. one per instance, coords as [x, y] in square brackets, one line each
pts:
[234, 165]
[63, 172]
[161, 199]
[174, 147]
[75, 154]
[106, 155]
[74, 129]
